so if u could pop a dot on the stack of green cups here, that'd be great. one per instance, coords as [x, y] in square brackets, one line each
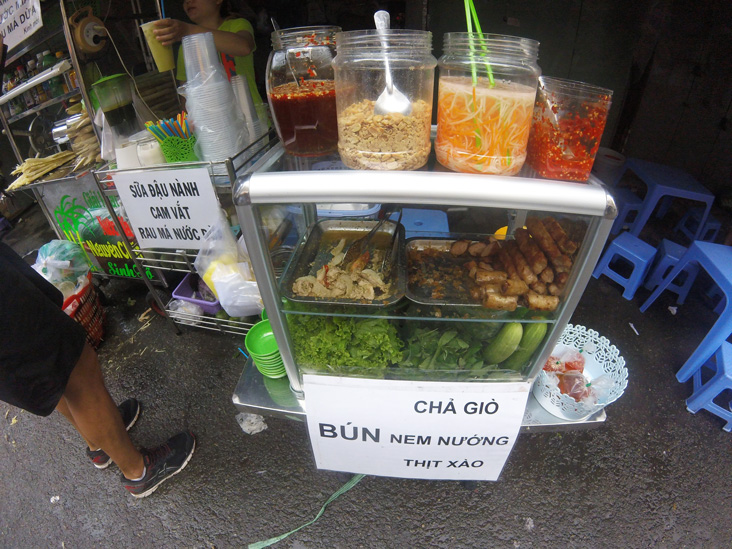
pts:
[262, 347]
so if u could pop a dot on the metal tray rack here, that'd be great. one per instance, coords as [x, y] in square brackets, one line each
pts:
[222, 174]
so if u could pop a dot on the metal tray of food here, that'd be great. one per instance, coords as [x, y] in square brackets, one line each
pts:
[434, 276]
[301, 283]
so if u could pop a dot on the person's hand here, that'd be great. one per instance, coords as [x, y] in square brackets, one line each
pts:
[169, 31]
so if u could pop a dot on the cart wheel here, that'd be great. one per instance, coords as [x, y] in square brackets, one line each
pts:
[150, 300]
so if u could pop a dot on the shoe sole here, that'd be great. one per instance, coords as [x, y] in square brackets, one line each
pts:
[130, 426]
[183, 466]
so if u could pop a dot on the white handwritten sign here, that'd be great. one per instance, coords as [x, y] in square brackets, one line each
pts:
[18, 20]
[411, 429]
[170, 209]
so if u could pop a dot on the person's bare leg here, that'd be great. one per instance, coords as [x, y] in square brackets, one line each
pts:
[96, 417]
[63, 409]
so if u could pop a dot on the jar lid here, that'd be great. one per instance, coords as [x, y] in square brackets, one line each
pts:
[304, 37]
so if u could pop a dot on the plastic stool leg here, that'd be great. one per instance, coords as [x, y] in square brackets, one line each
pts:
[664, 283]
[683, 290]
[716, 336]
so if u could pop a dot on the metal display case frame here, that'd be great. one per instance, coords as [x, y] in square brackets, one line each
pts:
[264, 186]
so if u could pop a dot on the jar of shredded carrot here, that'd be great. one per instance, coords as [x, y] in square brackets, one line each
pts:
[485, 100]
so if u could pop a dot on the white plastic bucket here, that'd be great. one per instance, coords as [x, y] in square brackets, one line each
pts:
[608, 166]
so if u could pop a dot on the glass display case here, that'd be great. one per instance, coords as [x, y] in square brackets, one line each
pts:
[464, 277]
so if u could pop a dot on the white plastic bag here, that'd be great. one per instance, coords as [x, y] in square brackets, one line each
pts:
[237, 290]
[219, 248]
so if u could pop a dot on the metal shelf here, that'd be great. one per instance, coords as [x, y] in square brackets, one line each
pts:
[44, 105]
[255, 395]
[210, 322]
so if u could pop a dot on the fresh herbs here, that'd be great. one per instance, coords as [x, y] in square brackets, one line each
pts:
[345, 346]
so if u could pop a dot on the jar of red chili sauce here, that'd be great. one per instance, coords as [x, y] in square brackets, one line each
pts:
[568, 121]
[301, 89]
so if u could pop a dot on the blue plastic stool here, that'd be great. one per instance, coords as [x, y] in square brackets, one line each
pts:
[716, 260]
[667, 256]
[706, 391]
[713, 293]
[627, 202]
[424, 223]
[689, 223]
[632, 250]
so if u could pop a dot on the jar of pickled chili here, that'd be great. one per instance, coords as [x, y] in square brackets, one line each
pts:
[301, 89]
[485, 99]
[567, 125]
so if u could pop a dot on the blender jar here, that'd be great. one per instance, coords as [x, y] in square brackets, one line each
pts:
[372, 137]
[569, 118]
[485, 101]
[301, 90]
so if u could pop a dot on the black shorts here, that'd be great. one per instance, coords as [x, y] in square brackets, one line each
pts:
[39, 343]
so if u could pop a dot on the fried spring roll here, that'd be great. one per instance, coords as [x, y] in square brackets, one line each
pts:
[535, 257]
[479, 293]
[491, 247]
[547, 275]
[524, 271]
[547, 244]
[459, 247]
[514, 287]
[539, 287]
[490, 277]
[501, 302]
[508, 264]
[542, 302]
[476, 248]
[559, 235]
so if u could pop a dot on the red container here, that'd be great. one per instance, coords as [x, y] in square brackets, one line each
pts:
[86, 308]
[568, 121]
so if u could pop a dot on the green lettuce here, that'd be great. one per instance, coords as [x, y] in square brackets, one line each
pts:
[344, 345]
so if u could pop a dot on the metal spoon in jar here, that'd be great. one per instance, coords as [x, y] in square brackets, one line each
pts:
[391, 99]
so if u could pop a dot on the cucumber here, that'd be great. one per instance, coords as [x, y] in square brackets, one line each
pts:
[504, 344]
[533, 336]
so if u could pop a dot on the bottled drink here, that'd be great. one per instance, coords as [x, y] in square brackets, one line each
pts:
[54, 85]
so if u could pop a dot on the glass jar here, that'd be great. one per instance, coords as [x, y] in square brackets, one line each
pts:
[569, 118]
[301, 90]
[372, 136]
[485, 101]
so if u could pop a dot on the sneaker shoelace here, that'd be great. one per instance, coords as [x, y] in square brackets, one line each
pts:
[159, 453]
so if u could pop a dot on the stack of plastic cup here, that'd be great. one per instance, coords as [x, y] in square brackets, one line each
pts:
[243, 96]
[262, 347]
[220, 130]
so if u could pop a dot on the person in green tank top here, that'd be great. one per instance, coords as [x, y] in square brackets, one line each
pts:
[233, 36]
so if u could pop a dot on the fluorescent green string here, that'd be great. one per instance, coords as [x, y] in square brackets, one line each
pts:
[469, 23]
[485, 50]
[343, 489]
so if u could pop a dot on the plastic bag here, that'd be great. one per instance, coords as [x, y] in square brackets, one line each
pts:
[251, 424]
[237, 290]
[218, 248]
[567, 360]
[61, 261]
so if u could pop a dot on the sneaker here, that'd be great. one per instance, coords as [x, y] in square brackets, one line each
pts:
[162, 463]
[130, 411]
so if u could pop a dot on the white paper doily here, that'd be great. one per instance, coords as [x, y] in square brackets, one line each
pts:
[600, 358]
